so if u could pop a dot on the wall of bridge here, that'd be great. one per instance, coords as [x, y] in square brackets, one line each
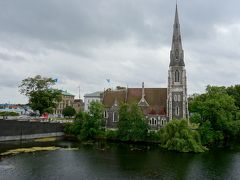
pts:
[22, 130]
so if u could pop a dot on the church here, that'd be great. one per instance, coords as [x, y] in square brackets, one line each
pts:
[159, 105]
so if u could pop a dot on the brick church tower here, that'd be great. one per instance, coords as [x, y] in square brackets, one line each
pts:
[177, 80]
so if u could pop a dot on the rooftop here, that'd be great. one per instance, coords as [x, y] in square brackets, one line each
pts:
[65, 93]
[95, 94]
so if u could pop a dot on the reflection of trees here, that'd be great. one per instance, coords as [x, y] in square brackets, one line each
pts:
[216, 164]
[102, 160]
[154, 163]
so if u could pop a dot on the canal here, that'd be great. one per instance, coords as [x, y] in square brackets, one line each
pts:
[102, 160]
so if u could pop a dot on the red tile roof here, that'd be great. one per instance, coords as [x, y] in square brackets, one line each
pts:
[155, 97]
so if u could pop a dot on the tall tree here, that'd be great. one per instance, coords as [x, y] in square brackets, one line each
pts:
[215, 112]
[132, 124]
[214, 105]
[234, 91]
[42, 96]
[94, 121]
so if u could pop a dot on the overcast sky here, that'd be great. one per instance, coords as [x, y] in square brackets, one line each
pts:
[84, 42]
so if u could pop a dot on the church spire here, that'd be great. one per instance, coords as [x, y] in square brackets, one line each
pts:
[176, 54]
[177, 79]
[176, 21]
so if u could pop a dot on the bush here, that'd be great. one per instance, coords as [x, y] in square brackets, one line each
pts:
[178, 136]
[153, 136]
[111, 134]
[69, 111]
[5, 113]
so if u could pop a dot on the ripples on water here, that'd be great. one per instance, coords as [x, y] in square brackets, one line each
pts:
[103, 160]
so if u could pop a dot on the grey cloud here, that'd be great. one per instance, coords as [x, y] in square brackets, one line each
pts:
[9, 57]
[85, 42]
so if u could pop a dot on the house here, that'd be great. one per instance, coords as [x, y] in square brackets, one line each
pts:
[67, 100]
[88, 98]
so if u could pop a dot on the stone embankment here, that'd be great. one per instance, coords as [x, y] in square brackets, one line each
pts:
[13, 130]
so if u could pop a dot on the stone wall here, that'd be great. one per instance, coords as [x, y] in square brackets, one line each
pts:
[21, 130]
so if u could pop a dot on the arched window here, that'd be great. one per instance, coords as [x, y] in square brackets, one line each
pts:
[179, 98]
[177, 79]
[175, 97]
[113, 116]
[105, 114]
[177, 111]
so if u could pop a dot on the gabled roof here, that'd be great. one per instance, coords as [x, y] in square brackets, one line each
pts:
[155, 97]
[110, 97]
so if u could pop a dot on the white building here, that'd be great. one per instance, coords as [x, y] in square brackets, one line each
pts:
[88, 98]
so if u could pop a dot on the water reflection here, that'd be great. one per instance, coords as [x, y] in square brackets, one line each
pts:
[104, 160]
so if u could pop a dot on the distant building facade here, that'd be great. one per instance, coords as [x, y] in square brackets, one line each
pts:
[78, 105]
[67, 100]
[88, 98]
[159, 105]
[20, 109]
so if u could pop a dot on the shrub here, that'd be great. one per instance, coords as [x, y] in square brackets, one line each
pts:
[178, 136]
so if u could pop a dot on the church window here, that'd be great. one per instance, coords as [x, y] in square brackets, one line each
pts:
[105, 114]
[177, 111]
[179, 98]
[177, 78]
[113, 116]
[153, 121]
[175, 98]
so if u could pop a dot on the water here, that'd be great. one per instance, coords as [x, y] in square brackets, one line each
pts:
[103, 160]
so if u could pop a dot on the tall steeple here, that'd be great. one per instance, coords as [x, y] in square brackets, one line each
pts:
[177, 53]
[177, 79]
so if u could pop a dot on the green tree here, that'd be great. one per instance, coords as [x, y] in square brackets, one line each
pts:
[69, 111]
[94, 123]
[5, 114]
[77, 125]
[234, 91]
[214, 111]
[42, 96]
[177, 136]
[214, 105]
[132, 124]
